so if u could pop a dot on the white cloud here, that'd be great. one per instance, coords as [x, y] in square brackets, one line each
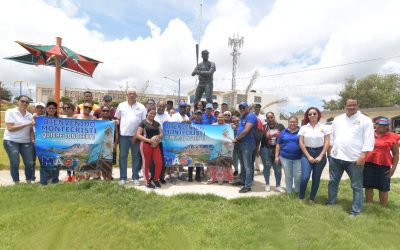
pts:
[291, 36]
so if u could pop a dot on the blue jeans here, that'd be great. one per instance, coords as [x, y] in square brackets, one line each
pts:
[268, 159]
[125, 143]
[246, 153]
[292, 170]
[46, 174]
[336, 168]
[306, 168]
[14, 149]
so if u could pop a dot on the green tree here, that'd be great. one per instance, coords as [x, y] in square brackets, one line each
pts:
[65, 99]
[372, 91]
[5, 94]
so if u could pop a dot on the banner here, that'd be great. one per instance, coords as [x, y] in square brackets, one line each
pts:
[191, 144]
[74, 144]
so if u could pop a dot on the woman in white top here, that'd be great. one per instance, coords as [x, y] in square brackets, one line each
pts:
[314, 142]
[18, 139]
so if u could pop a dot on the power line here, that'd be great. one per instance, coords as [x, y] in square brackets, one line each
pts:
[319, 68]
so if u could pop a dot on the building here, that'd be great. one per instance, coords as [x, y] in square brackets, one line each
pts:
[45, 93]
[268, 102]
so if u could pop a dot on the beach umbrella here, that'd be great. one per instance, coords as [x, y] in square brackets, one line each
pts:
[59, 57]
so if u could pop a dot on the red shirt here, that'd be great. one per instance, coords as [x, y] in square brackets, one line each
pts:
[381, 155]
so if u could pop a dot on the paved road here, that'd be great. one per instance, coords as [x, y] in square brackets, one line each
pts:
[226, 190]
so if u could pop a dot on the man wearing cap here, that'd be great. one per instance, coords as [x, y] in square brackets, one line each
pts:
[352, 137]
[181, 115]
[246, 146]
[207, 117]
[130, 114]
[205, 70]
[107, 101]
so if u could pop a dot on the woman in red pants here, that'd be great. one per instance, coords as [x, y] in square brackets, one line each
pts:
[149, 133]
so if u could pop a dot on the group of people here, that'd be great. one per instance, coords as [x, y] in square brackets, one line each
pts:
[369, 156]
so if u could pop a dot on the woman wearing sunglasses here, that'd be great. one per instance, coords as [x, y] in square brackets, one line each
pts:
[381, 163]
[53, 174]
[68, 111]
[86, 114]
[18, 139]
[314, 142]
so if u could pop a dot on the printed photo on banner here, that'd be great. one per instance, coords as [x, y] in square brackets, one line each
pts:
[191, 144]
[74, 144]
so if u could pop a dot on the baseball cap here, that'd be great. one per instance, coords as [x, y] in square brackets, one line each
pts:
[182, 104]
[107, 98]
[217, 110]
[382, 121]
[40, 104]
[209, 106]
[244, 104]
[198, 112]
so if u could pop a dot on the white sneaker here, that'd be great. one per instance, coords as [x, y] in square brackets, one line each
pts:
[136, 182]
[267, 188]
[280, 189]
[122, 182]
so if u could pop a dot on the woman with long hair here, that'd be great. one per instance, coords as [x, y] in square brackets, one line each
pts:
[314, 142]
[18, 138]
[267, 152]
[149, 133]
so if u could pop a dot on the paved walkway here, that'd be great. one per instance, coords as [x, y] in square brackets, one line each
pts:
[226, 190]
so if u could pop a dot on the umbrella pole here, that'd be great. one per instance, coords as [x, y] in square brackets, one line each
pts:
[58, 75]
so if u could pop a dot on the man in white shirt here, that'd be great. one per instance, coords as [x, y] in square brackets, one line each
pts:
[129, 114]
[181, 116]
[352, 137]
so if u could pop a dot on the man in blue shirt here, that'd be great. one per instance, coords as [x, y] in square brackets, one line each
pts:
[247, 146]
[207, 117]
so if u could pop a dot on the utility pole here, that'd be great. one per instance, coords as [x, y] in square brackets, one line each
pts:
[235, 43]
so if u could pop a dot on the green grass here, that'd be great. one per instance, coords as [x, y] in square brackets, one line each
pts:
[98, 215]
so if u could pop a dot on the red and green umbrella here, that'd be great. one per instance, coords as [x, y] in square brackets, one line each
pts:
[57, 56]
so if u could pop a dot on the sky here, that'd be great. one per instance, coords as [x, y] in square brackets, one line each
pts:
[140, 41]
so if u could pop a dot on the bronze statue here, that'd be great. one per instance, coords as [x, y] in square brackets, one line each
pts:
[205, 70]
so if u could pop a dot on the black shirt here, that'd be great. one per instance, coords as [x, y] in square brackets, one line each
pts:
[150, 130]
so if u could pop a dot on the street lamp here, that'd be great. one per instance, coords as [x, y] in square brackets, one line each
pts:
[179, 86]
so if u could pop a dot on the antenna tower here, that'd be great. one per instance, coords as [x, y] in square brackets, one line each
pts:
[235, 43]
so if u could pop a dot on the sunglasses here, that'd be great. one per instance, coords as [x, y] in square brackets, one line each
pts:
[270, 117]
[66, 107]
[312, 114]
[27, 102]
[107, 100]
[87, 107]
[105, 110]
[241, 107]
